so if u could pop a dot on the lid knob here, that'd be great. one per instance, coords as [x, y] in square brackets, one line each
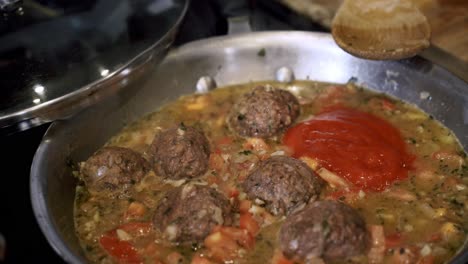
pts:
[10, 5]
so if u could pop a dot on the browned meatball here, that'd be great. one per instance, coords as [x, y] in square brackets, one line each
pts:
[325, 229]
[282, 184]
[263, 112]
[180, 152]
[187, 213]
[113, 170]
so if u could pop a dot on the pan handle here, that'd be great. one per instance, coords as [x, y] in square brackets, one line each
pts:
[238, 15]
[239, 24]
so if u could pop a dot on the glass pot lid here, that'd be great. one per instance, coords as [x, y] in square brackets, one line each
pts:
[54, 52]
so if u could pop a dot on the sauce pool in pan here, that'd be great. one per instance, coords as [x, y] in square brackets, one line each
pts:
[276, 173]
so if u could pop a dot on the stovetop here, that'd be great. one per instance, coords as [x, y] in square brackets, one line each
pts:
[24, 241]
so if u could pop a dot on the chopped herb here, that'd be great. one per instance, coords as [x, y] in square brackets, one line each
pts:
[464, 168]
[182, 126]
[245, 152]
[240, 117]
[167, 211]
[352, 80]
[379, 210]
[456, 203]
[70, 163]
[443, 167]
[412, 140]
[381, 220]
[195, 246]
[80, 195]
[325, 228]
[261, 52]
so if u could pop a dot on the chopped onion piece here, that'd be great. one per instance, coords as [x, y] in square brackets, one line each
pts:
[123, 236]
[334, 180]
[426, 250]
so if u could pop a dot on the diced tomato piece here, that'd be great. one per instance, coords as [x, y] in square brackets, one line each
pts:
[279, 258]
[435, 237]
[242, 175]
[388, 105]
[212, 179]
[244, 206]
[222, 144]
[219, 238]
[152, 249]
[221, 246]
[284, 260]
[245, 165]
[233, 192]
[216, 162]
[332, 95]
[228, 189]
[393, 240]
[241, 236]
[121, 251]
[248, 223]
[174, 258]
[429, 259]
[200, 260]
[225, 141]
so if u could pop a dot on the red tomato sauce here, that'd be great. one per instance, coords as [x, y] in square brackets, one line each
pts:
[364, 149]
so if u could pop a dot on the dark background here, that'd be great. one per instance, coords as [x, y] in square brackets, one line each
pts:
[24, 241]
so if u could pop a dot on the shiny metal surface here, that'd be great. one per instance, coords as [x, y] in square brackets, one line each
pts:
[94, 53]
[228, 60]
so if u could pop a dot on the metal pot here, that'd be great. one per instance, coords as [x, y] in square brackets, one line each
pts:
[227, 60]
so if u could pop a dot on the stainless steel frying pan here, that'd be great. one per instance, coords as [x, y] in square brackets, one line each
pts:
[224, 61]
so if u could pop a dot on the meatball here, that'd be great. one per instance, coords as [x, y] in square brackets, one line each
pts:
[179, 153]
[187, 213]
[113, 170]
[263, 112]
[282, 184]
[325, 229]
